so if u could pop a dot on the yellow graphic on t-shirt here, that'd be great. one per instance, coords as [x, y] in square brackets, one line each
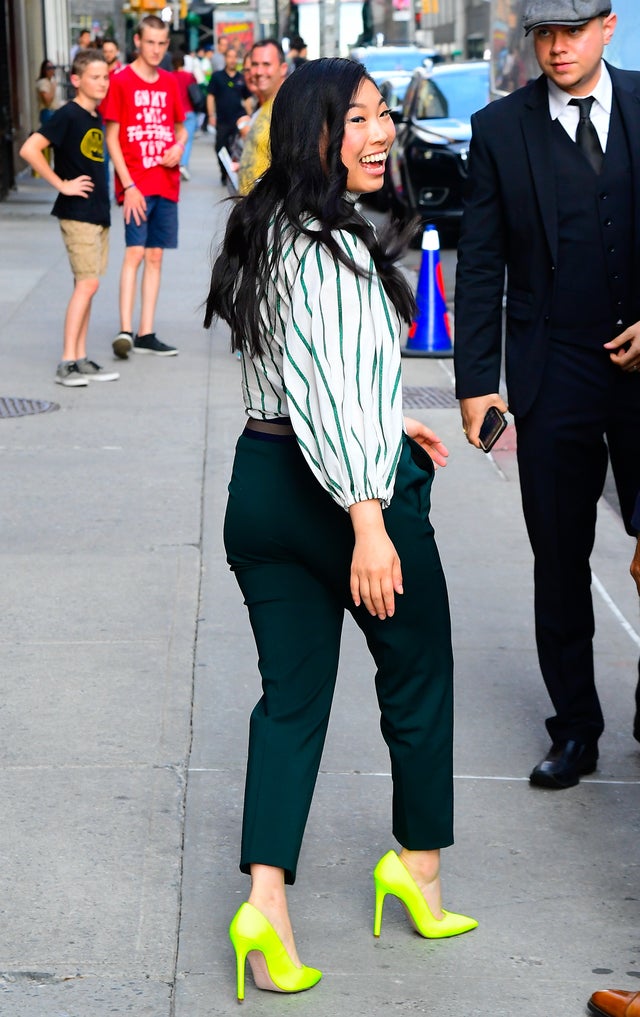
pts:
[92, 145]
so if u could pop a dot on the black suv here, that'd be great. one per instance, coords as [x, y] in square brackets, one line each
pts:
[427, 168]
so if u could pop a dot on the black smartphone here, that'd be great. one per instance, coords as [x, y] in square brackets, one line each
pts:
[493, 425]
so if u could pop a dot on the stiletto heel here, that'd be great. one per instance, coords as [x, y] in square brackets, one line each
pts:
[380, 895]
[271, 965]
[390, 876]
[241, 958]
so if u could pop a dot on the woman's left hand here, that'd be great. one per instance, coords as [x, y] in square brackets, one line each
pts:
[429, 441]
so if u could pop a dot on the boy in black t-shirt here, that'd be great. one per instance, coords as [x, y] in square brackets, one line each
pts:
[76, 133]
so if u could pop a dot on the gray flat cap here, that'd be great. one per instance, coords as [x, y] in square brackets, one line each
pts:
[561, 12]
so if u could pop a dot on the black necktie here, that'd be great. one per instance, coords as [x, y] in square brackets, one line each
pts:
[586, 136]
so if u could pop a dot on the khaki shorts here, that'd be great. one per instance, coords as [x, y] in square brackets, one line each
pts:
[87, 246]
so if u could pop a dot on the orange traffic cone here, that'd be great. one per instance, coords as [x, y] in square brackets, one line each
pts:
[430, 334]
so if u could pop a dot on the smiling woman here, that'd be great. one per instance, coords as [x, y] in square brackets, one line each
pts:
[368, 135]
[315, 300]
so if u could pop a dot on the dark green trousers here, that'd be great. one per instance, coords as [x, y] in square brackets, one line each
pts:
[290, 547]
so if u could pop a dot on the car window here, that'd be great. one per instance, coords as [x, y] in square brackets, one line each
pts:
[430, 102]
[409, 98]
[464, 92]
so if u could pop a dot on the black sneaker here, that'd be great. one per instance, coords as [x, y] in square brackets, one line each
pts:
[150, 344]
[122, 344]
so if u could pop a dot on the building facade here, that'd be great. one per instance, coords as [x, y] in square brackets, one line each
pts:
[30, 32]
[458, 28]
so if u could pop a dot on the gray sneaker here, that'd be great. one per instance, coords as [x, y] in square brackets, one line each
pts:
[68, 375]
[93, 372]
[123, 344]
[151, 344]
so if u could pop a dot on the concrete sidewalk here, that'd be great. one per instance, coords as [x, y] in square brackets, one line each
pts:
[129, 673]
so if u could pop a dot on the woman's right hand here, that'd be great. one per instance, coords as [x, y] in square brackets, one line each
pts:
[376, 572]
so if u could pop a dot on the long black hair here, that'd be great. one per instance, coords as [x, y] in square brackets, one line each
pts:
[306, 177]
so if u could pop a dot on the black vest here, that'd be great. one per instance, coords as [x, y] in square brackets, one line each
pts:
[592, 295]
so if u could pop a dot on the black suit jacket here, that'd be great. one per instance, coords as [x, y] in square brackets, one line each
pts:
[510, 222]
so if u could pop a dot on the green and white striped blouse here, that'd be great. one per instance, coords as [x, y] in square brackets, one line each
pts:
[333, 367]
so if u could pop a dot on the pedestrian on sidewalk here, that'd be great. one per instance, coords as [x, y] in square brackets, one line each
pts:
[328, 506]
[297, 53]
[226, 98]
[251, 102]
[244, 122]
[146, 138]
[186, 83]
[218, 59]
[82, 42]
[268, 71]
[554, 200]
[111, 54]
[75, 132]
[47, 92]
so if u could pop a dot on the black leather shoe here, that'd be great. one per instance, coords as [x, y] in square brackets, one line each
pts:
[564, 764]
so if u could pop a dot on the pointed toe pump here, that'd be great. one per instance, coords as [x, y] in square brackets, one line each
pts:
[390, 876]
[253, 937]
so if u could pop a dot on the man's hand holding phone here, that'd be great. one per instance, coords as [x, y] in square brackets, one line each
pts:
[493, 425]
[474, 412]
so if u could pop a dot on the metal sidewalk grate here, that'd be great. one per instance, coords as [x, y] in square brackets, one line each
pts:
[11, 406]
[415, 396]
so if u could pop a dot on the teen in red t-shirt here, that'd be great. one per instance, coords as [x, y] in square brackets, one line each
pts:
[146, 139]
[146, 113]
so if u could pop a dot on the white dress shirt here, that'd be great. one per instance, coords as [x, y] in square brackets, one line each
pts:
[569, 116]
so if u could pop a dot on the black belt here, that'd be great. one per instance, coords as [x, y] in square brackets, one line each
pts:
[277, 425]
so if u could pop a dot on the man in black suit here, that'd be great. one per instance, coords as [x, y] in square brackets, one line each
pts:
[554, 200]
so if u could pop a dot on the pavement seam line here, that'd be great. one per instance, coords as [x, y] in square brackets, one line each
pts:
[456, 776]
[176, 973]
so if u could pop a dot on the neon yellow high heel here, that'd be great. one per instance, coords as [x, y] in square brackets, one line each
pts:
[391, 876]
[253, 936]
